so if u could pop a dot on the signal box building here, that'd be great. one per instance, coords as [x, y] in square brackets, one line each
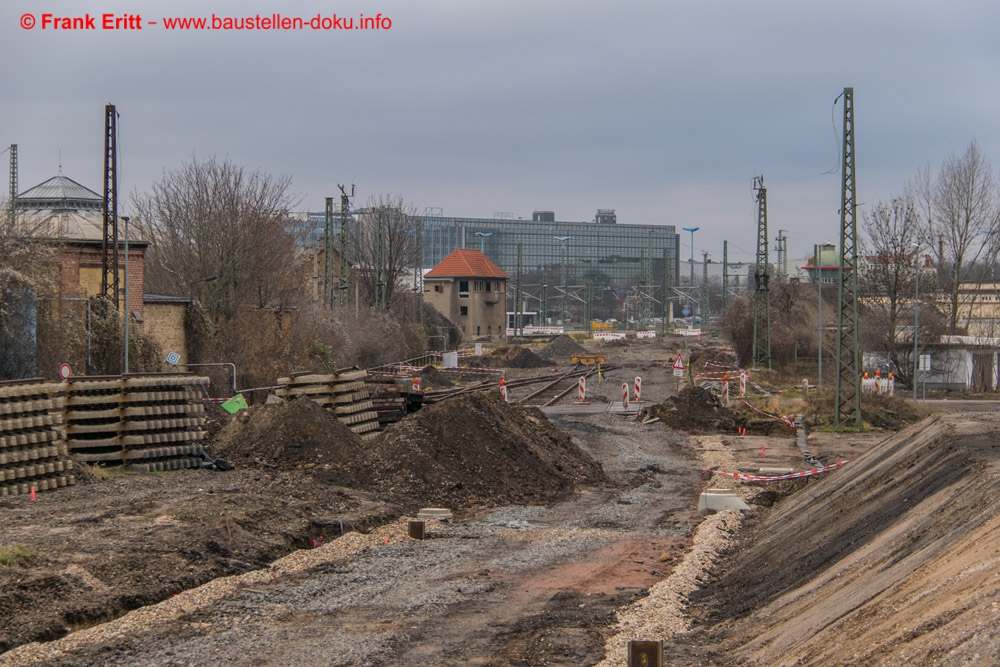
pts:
[471, 291]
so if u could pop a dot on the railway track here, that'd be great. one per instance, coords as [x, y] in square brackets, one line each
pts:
[554, 387]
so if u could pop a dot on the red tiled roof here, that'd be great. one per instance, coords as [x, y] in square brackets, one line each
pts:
[463, 263]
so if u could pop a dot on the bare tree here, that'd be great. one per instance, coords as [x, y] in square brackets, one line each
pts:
[891, 250]
[220, 234]
[960, 212]
[383, 244]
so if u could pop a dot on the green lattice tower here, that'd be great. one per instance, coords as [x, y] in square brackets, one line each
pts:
[725, 275]
[343, 273]
[12, 201]
[706, 295]
[109, 248]
[762, 279]
[328, 253]
[848, 396]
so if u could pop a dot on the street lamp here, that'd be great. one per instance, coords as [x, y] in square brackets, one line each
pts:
[482, 240]
[692, 230]
[562, 265]
[916, 319]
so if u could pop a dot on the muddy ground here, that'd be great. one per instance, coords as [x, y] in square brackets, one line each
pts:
[574, 518]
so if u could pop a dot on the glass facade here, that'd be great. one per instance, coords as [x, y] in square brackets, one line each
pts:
[606, 255]
[569, 270]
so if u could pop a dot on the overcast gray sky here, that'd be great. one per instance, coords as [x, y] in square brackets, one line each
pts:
[662, 110]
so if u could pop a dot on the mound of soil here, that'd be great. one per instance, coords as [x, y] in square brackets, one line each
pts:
[471, 447]
[477, 449]
[432, 378]
[294, 435]
[562, 347]
[696, 410]
[513, 356]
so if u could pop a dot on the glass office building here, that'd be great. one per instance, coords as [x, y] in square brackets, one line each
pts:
[603, 265]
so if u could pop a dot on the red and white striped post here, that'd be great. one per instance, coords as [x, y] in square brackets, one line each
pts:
[581, 392]
[637, 393]
[503, 389]
[416, 384]
[743, 383]
[725, 391]
[625, 395]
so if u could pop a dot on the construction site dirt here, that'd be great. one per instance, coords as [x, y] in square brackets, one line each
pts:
[301, 554]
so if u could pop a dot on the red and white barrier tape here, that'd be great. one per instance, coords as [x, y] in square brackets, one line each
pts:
[787, 420]
[779, 478]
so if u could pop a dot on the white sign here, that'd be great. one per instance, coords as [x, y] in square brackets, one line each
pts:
[688, 332]
[65, 371]
[925, 362]
[679, 363]
[645, 334]
[173, 358]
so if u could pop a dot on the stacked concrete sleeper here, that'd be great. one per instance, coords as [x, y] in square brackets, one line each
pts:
[33, 453]
[145, 423]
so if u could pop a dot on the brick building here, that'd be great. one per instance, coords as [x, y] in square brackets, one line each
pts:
[71, 216]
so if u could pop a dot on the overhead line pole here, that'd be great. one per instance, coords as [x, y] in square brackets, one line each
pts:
[848, 392]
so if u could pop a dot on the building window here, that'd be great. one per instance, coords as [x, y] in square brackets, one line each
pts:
[463, 311]
[489, 285]
[477, 330]
[463, 289]
[439, 288]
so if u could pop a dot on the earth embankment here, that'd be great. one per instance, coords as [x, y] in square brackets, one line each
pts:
[892, 560]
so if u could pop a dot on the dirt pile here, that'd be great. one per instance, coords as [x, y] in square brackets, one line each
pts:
[476, 448]
[513, 356]
[696, 410]
[561, 348]
[473, 446]
[293, 435]
[432, 378]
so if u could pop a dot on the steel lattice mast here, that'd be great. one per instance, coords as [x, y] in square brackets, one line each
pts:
[328, 253]
[343, 268]
[12, 201]
[109, 247]
[762, 288]
[848, 397]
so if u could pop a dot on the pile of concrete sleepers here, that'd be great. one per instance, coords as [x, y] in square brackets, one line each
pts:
[342, 393]
[144, 423]
[33, 454]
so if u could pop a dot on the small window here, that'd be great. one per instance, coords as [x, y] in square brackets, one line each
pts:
[477, 330]
[439, 288]
[463, 311]
[489, 285]
[463, 288]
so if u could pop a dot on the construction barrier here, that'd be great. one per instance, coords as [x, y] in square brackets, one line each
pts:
[645, 334]
[603, 336]
[637, 393]
[625, 395]
[581, 393]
